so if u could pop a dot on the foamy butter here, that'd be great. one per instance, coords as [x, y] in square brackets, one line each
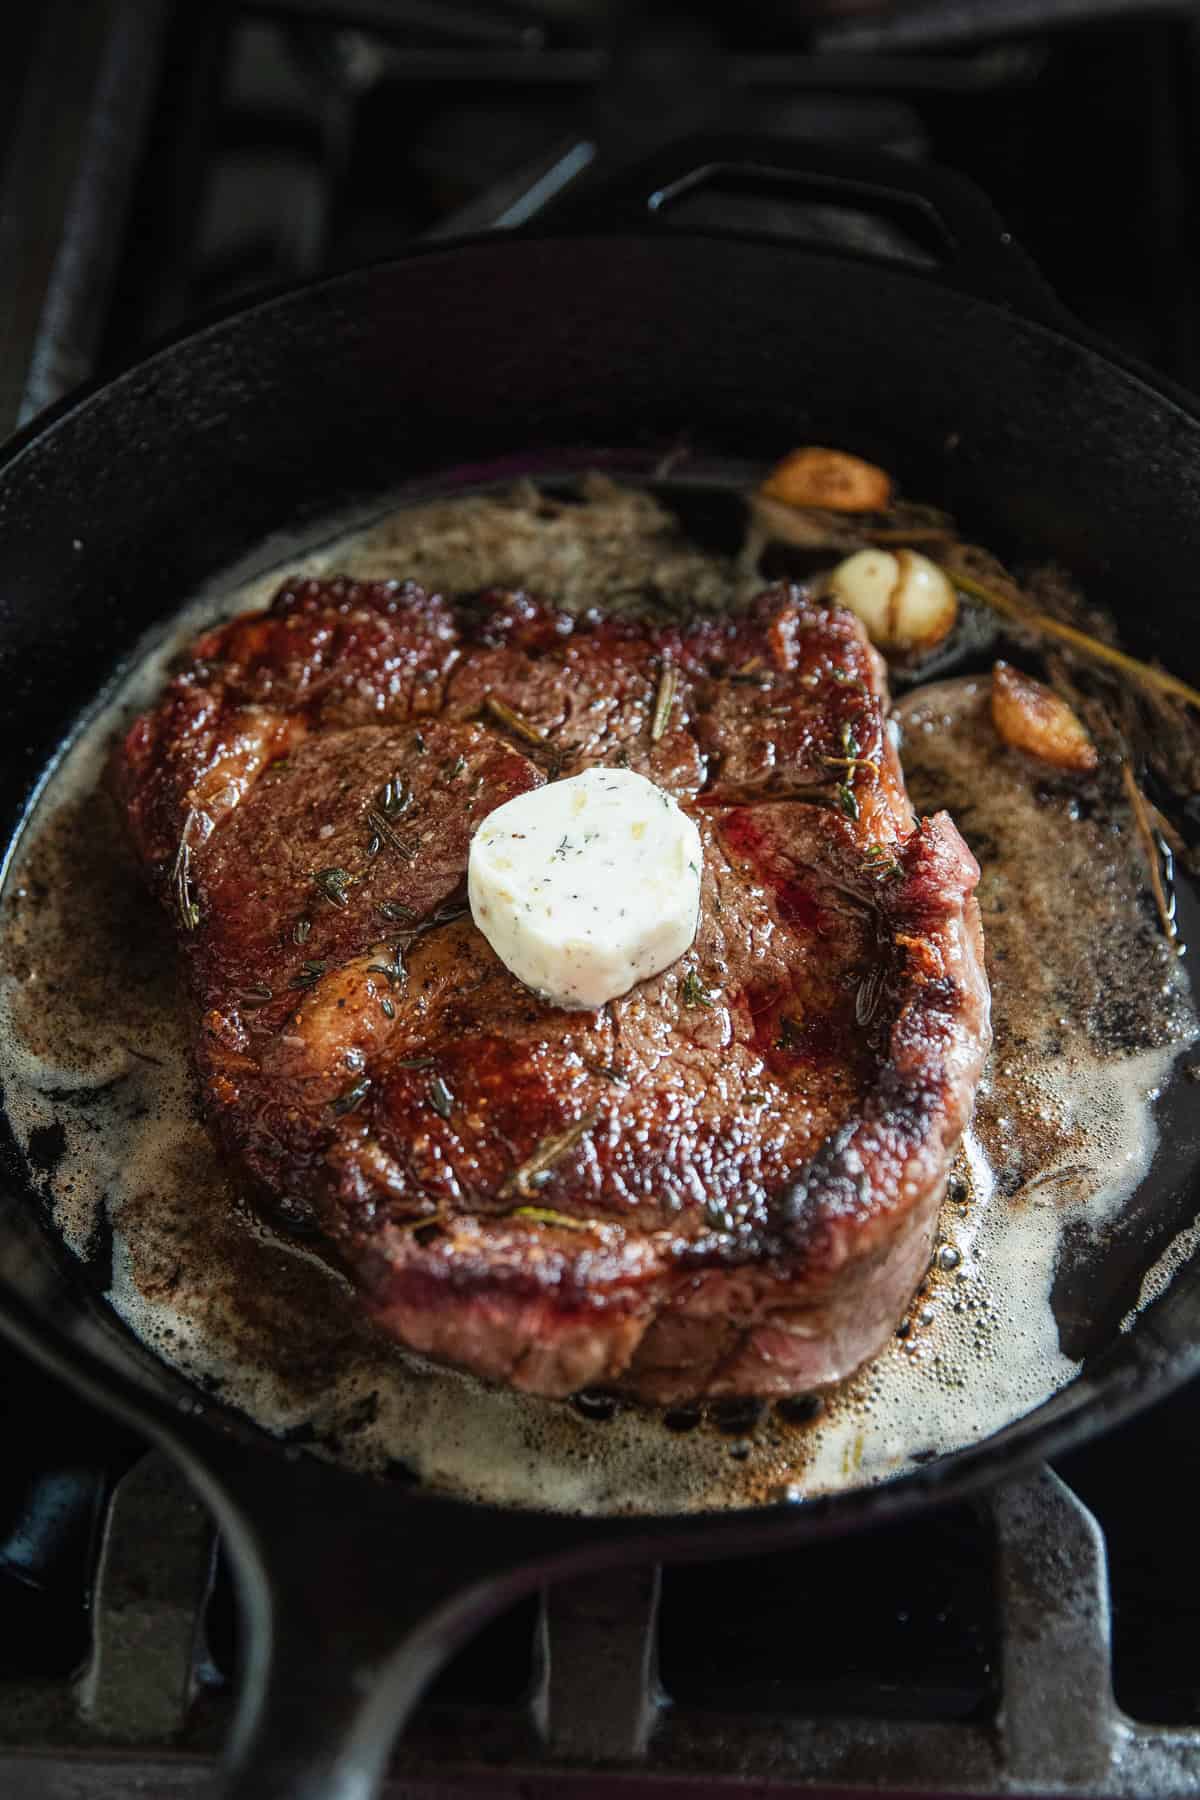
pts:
[1090, 1013]
[586, 886]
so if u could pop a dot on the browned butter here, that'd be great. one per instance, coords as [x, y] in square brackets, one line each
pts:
[1091, 1014]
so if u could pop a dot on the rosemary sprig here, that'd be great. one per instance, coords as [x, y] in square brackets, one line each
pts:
[664, 700]
[186, 904]
[1150, 847]
[536, 1168]
[1160, 679]
[513, 721]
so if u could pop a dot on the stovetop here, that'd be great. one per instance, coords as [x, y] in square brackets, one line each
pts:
[200, 155]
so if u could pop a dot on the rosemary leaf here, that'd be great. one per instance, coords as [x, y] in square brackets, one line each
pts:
[664, 700]
[513, 721]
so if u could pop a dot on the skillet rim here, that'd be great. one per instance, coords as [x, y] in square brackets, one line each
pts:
[1150, 1371]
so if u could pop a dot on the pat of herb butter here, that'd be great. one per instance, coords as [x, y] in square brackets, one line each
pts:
[586, 886]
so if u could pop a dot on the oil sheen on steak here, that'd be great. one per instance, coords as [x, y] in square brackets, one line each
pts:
[726, 1182]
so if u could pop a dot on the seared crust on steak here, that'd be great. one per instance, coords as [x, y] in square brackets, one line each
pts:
[726, 1182]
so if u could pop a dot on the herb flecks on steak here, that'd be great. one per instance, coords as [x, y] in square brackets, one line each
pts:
[726, 1181]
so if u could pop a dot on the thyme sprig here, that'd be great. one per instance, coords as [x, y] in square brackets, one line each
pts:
[1146, 674]
[851, 758]
[879, 862]
[535, 1170]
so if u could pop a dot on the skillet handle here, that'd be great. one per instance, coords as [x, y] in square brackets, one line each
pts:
[951, 224]
[353, 1595]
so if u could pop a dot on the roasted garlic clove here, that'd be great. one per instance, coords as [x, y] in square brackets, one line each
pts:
[1031, 717]
[905, 601]
[833, 480]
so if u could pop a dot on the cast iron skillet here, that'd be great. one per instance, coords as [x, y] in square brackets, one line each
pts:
[965, 377]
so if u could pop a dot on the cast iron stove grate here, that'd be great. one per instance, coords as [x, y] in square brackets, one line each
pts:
[201, 155]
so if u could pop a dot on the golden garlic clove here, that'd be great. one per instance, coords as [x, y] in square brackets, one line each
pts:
[1031, 717]
[905, 601]
[832, 480]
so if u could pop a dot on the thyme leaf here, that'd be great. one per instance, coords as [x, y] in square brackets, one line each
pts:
[309, 974]
[333, 884]
[301, 930]
[847, 801]
[352, 1097]
[440, 1097]
[693, 992]
[397, 912]
[395, 971]
[394, 797]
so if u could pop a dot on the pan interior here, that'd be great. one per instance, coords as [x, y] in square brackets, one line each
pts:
[1068, 1208]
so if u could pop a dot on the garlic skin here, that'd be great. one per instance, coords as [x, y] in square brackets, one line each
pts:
[905, 601]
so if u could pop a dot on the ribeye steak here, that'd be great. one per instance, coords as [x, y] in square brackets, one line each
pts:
[726, 1182]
